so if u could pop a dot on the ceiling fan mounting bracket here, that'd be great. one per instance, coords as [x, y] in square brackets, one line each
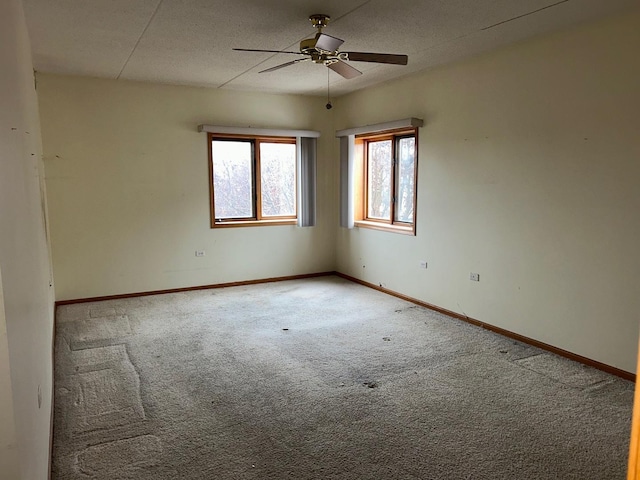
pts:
[319, 20]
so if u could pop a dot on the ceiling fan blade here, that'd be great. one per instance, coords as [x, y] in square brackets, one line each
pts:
[269, 51]
[344, 69]
[327, 42]
[377, 58]
[278, 67]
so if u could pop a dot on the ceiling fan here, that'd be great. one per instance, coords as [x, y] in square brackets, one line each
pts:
[323, 49]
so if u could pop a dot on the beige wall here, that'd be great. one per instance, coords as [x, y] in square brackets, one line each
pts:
[26, 318]
[127, 178]
[528, 175]
[8, 444]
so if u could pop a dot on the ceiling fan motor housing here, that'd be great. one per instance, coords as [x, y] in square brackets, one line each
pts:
[308, 45]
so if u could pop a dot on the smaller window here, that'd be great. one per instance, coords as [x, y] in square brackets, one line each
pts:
[386, 186]
[252, 180]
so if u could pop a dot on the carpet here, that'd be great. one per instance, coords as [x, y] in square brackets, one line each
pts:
[320, 379]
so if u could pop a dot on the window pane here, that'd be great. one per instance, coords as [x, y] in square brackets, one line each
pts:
[278, 179]
[405, 179]
[232, 179]
[379, 180]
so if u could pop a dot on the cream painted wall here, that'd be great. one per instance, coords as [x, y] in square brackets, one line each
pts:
[528, 174]
[127, 179]
[8, 443]
[27, 313]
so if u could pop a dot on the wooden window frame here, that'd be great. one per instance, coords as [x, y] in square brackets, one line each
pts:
[258, 219]
[362, 188]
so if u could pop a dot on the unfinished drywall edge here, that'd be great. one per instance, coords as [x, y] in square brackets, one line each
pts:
[501, 331]
[193, 288]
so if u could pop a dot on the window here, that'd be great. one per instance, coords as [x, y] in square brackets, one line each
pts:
[253, 180]
[386, 167]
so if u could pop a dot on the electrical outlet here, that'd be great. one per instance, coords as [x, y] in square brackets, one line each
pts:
[474, 277]
[423, 264]
[199, 253]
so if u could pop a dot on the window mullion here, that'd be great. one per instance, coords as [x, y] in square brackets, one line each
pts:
[367, 186]
[394, 166]
[256, 180]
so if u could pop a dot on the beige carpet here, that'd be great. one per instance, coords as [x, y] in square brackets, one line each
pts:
[320, 379]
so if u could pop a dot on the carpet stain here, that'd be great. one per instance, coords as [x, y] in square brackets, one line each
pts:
[98, 311]
[412, 307]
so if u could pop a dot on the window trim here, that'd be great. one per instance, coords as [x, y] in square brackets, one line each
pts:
[257, 219]
[361, 181]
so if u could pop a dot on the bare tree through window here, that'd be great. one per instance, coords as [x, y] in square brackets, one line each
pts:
[390, 164]
[405, 179]
[233, 179]
[253, 178]
[278, 179]
[379, 178]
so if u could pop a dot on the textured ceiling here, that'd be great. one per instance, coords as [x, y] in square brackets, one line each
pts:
[190, 41]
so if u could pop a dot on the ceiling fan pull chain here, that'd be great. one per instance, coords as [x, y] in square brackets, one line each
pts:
[329, 106]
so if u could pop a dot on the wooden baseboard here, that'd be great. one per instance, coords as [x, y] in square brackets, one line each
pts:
[516, 336]
[507, 333]
[189, 289]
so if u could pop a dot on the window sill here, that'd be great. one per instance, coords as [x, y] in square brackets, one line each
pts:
[386, 227]
[254, 223]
